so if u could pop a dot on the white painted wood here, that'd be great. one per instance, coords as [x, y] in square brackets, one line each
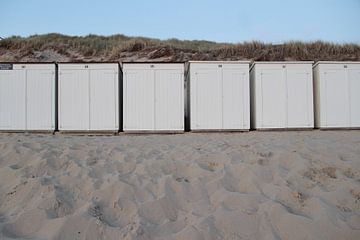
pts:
[299, 97]
[12, 100]
[337, 87]
[206, 99]
[219, 96]
[139, 100]
[89, 97]
[40, 93]
[153, 97]
[354, 88]
[336, 98]
[273, 94]
[236, 105]
[282, 95]
[169, 100]
[27, 97]
[104, 100]
[73, 100]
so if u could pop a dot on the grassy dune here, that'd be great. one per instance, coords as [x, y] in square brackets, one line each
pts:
[57, 47]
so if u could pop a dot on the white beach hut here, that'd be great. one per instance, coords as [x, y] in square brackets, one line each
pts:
[89, 97]
[337, 94]
[281, 95]
[218, 94]
[27, 97]
[153, 95]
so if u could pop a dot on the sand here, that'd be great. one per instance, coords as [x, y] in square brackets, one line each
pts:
[256, 185]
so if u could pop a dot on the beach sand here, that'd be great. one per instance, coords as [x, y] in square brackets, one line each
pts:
[256, 185]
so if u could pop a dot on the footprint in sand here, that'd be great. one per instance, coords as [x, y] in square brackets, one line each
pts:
[25, 225]
[266, 154]
[91, 161]
[104, 216]
[15, 167]
[212, 162]
[349, 173]
[2, 218]
[263, 162]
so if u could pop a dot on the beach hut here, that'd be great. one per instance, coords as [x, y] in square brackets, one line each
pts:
[153, 95]
[218, 95]
[337, 94]
[281, 95]
[89, 97]
[27, 97]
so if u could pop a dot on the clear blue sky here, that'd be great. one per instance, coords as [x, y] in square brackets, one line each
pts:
[221, 20]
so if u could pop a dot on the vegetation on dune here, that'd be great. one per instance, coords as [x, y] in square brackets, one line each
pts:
[117, 47]
[92, 44]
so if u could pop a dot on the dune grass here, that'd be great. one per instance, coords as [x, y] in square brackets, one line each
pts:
[111, 47]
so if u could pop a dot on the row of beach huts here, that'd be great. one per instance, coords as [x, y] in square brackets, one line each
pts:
[174, 97]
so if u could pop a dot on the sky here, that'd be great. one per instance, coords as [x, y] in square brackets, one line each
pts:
[271, 21]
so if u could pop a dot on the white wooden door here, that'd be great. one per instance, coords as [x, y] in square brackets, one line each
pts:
[40, 101]
[299, 98]
[206, 97]
[273, 98]
[354, 88]
[235, 86]
[169, 100]
[103, 99]
[336, 98]
[74, 99]
[12, 100]
[139, 100]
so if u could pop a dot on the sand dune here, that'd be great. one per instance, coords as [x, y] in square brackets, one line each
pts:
[257, 185]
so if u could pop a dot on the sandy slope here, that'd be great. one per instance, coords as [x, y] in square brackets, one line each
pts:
[257, 185]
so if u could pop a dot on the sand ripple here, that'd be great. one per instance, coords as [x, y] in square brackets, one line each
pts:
[257, 185]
